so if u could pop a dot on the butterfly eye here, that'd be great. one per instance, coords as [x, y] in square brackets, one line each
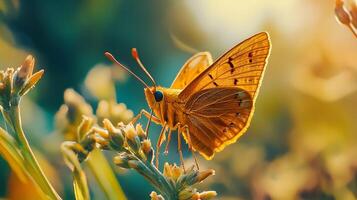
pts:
[158, 96]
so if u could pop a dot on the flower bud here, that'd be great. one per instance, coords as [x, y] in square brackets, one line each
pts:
[31, 82]
[133, 138]
[155, 196]
[130, 132]
[23, 73]
[204, 174]
[146, 146]
[139, 129]
[341, 14]
[134, 164]
[26, 69]
[116, 136]
[147, 150]
[88, 143]
[195, 196]
[176, 172]
[167, 170]
[207, 195]
[84, 127]
[122, 160]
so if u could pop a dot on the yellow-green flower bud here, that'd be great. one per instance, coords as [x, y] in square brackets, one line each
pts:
[204, 174]
[140, 131]
[116, 136]
[207, 195]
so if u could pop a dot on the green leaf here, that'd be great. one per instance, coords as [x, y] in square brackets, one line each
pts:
[80, 185]
[104, 175]
[10, 152]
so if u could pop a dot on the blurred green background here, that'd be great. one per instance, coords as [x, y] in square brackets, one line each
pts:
[302, 140]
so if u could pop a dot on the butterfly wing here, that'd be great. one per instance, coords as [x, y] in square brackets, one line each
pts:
[214, 118]
[243, 66]
[191, 69]
[217, 117]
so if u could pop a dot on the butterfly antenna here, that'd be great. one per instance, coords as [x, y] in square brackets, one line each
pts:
[135, 55]
[112, 58]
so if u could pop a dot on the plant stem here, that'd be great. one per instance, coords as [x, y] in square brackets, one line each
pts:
[104, 175]
[38, 175]
[156, 178]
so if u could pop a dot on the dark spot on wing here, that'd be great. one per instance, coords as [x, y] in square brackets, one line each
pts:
[231, 64]
[240, 102]
[235, 81]
[215, 83]
[250, 54]
[210, 76]
[250, 60]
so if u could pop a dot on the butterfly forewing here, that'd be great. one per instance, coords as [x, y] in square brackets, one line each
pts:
[242, 66]
[191, 69]
[216, 117]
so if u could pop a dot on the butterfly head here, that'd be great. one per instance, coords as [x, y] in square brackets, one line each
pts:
[154, 96]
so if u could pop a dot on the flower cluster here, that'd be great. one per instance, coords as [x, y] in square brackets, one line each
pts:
[134, 151]
[16, 83]
[185, 180]
[69, 116]
[347, 17]
[14, 146]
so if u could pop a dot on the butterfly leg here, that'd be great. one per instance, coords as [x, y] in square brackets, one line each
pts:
[179, 132]
[168, 142]
[147, 115]
[161, 139]
[190, 147]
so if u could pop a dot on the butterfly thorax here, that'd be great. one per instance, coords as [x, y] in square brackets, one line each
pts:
[170, 109]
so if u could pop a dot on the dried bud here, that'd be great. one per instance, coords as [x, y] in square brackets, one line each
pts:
[27, 67]
[341, 14]
[23, 73]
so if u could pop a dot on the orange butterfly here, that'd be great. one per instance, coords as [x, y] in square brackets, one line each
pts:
[210, 104]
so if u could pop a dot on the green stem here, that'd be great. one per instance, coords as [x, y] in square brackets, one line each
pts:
[38, 175]
[156, 178]
[105, 176]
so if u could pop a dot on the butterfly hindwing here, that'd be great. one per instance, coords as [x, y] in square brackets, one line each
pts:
[191, 69]
[217, 117]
